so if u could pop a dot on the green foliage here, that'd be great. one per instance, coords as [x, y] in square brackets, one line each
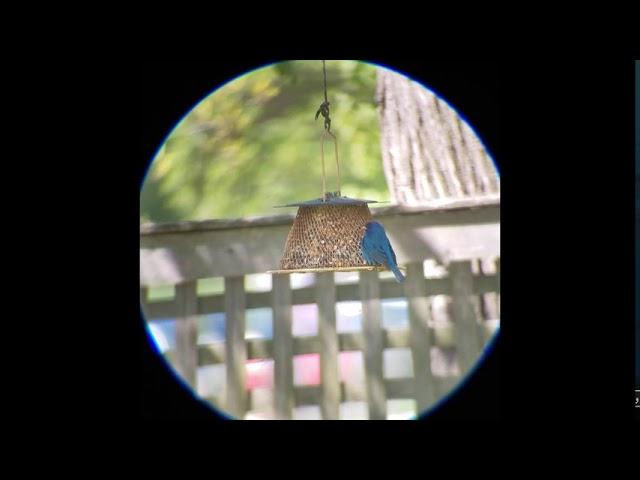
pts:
[254, 144]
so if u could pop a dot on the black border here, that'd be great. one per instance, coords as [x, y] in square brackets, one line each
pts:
[561, 132]
[169, 92]
[637, 236]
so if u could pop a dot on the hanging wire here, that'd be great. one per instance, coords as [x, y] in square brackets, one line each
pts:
[335, 143]
[324, 106]
[324, 110]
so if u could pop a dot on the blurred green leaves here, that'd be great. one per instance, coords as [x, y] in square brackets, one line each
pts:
[254, 144]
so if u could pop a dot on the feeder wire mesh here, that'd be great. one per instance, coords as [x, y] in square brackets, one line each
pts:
[327, 232]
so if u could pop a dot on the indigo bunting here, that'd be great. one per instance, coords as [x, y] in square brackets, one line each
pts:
[376, 249]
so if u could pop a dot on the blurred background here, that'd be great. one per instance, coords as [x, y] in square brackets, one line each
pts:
[254, 144]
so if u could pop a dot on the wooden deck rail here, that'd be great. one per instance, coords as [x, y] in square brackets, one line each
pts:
[457, 236]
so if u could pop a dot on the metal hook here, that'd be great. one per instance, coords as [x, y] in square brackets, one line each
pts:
[335, 143]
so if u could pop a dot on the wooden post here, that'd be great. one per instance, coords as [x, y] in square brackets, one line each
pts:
[498, 289]
[326, 300]
[420, 337]
[236, 347]
[187, 332]
[468, 340]
[144, 291]
[489, 302]
[373, 344]
[282, 347]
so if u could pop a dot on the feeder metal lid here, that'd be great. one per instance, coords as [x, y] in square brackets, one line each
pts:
[332, 198]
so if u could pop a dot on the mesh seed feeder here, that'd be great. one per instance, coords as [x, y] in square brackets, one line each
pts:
[326, 236]
[327, 231]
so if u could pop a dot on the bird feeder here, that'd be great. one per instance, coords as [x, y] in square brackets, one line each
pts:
[327, 231]
[326, 236]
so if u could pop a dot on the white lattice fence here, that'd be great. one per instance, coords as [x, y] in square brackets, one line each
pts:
[450, 317]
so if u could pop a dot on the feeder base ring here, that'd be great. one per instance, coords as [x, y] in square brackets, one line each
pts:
[330, 269]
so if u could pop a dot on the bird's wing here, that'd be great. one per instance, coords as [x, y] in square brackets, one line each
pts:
[364, 247]
[390, 255]
[379, 256]
[386, 250]
[379, 251]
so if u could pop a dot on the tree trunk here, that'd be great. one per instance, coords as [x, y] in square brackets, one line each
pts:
[430, 154]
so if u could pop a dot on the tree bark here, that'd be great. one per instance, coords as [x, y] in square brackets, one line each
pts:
[430, 154]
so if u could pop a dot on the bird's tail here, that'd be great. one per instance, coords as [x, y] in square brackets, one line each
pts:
[396, 271]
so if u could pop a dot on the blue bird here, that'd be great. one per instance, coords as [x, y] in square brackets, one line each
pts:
[377, 250]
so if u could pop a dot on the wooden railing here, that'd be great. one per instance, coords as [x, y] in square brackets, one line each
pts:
[456, 236]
